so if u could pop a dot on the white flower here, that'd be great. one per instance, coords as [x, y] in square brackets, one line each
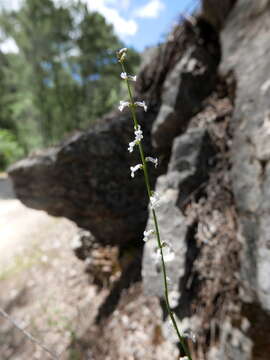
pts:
[122, 51]
[154, 161]
[141, 104]
[154, 200]
[174, 298]
[138, 137]
[125, 76]
[138, 133]
[131, 146]
[168, 254]
[188, 334]
[183, 358]
[147, 234]
[122, 105]
[122, 54]
[135, 168]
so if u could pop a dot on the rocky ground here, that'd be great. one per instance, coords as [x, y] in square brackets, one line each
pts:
[43, 285]
[46, 292]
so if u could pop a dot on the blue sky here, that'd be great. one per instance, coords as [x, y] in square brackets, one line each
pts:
[139, 23]
[142, 23]
[152, 29]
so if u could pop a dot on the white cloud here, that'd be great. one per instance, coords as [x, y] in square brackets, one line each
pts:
[122, 26]
[9, 46]
[151, 10]
[10, 4]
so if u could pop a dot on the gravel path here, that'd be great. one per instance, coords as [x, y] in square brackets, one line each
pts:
[43, 285]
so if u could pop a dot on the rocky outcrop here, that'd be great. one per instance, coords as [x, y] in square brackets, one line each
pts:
[246, 51]
[87, 178]
[187, 84]
[191, 160]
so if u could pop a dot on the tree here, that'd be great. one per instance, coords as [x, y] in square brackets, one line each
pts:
[64, 76]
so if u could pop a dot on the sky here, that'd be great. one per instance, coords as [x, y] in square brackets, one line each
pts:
[139, 23]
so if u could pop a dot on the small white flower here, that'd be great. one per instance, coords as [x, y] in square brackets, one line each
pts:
[183, 358]
[174, 298]
[147, 234]
[141, 104]
[138, 137]
[154, 161]
[122, 105]
[125, 76]
[168, 254]
[188, 334]
[122, 51]
[122, 54]
[138, 133]
[135, 168]
[131, 146]
[154, 201]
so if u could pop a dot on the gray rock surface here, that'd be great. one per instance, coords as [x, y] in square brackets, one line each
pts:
[188, 168]
[188, 83]
[216, 12]
[246, 51]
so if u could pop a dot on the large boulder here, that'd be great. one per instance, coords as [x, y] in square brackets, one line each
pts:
[87, 179]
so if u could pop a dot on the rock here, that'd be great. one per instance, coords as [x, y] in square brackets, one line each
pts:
[234, 344]
[87, 179]
[188, 83]
[188, 168]
[246, 48]
[83, 243]
[247, 55]
[217, 12]
[6, 189]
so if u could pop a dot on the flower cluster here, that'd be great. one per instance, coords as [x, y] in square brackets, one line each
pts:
[121, 54]
[124, 104]
[135, 168]
[125, 76]
[138, 137]
[154, 200]
[147, 234]
[163, 252]
[153, 160]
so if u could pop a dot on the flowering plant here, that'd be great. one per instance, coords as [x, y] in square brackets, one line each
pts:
[164, 252]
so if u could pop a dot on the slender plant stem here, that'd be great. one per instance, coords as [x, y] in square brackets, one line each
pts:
[149, 192]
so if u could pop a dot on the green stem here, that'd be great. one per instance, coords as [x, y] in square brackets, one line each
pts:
[149, 192]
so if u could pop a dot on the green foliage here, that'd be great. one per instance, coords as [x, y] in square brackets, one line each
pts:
[10, 150]
[63, 78]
